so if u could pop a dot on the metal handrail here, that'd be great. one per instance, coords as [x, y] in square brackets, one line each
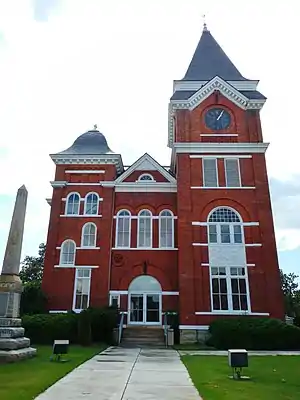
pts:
[121, 328]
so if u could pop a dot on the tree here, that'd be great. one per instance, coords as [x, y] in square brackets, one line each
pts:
[291, 293]
[32, 267]
[33, 300]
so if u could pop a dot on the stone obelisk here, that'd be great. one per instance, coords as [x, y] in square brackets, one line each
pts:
[13, 345]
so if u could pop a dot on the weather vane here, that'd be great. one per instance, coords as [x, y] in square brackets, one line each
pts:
[204, 22]
[95, 126]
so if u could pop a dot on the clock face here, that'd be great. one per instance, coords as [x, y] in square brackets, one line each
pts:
[217, 119]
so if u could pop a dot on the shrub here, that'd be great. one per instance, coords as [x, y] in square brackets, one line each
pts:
[84, 328]
[103, 322]
[253, 334]
[45, 328]
[33, 300]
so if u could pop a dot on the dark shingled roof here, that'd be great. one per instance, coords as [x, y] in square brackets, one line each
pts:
[210, 60]
[186, 94]
[91, 142]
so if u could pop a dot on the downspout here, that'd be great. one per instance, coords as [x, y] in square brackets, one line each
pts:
[111, 241]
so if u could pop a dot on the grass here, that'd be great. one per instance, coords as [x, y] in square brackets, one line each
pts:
[28, 378]
[272, 378]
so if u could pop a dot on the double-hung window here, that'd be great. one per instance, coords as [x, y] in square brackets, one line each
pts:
[82, 289]
[225, 227]
[232, 172]
[210, 172]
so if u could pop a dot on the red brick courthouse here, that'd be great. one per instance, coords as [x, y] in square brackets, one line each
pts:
[196, 237]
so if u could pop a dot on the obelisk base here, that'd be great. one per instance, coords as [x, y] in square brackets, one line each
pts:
[13, 345]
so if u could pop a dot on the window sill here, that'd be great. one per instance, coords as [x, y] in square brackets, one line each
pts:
[231, 312]
[228, 244]
[87, 248]
[75, 266]
[146, 248]
[223, 187]
[81, 215]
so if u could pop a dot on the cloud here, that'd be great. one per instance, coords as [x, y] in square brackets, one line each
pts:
[285, 197]
[42, 9]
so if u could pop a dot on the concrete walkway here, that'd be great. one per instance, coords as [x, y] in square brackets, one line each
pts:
[126, 374]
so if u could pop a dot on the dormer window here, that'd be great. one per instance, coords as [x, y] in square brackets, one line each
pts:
[146, 177]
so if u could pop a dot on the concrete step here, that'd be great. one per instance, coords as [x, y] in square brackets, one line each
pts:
[143, 336]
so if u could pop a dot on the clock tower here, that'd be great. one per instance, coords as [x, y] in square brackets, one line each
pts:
[227, 257]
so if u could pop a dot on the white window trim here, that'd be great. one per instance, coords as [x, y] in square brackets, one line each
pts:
[217, 171]
[76, 310]
[85, 204]
[223, 187]
[81, 215]
[82, 234]
[239, 172]
[115, 295]
[67, 202]
[151, 229]
[117, 229]
[171, 217]
[228, 277]
[231, 233]
[60, 256]
[76, 266]
[147, 180]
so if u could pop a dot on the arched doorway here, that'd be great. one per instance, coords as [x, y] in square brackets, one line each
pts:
[144, 301]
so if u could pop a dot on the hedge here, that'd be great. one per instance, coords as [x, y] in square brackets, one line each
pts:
[45, 328]
[253, 334]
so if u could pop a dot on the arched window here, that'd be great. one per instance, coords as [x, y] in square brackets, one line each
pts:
[91, 204]
[89, 234]
[224, 226]
[123, 229]
[166, 229]
[144, 229]
[146, 177]
[72, 204]
[67, 253]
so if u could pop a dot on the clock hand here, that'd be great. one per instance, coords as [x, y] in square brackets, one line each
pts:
[220, 115]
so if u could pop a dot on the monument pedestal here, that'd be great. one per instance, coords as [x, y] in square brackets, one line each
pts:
[13, 345]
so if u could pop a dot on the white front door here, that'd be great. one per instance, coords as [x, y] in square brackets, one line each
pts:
[144, 308]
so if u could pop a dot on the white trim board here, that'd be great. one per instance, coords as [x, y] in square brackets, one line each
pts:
[221, 156]
[222, 187]
[179, 85]
[85, 171]
[229, 148]
[231, 313]
[198, 223]
[228, 244]
[164, 293]
[219, 134]
[145, 248]
[81, 215]
[76, 266]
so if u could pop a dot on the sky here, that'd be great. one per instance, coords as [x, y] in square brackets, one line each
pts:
[66, 65]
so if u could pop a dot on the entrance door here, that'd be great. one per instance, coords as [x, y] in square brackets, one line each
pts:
[152, 308]
[144, 301]
[145, 309]
[136, 312]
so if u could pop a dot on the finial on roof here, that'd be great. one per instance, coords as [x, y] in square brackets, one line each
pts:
[204, 23]
[95, 127]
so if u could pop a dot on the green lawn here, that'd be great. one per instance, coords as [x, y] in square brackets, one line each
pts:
[28, 378]
[272, 378]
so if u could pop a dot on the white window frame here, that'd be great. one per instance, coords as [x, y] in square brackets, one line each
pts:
[82, 235]
[117, 228]
[203, 172]
[116, 296]
[85, 203]
[146, 180]
[228, 278]
[78, 310]
[150, 217]
[231, 228]
[170, 217]
[67, 203]
[61, 252]
[239, 171]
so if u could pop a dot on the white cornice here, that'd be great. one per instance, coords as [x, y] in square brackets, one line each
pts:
[155, 166]
[80, 159]
[58, 184]
[141, 186]
[84, 171]
[49, 201]
[229, 148]
[217, 83]
[196, 85]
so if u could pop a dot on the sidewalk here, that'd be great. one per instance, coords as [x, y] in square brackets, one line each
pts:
[126, 374]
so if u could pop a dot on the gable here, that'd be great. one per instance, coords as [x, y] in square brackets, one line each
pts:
[146, 164]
